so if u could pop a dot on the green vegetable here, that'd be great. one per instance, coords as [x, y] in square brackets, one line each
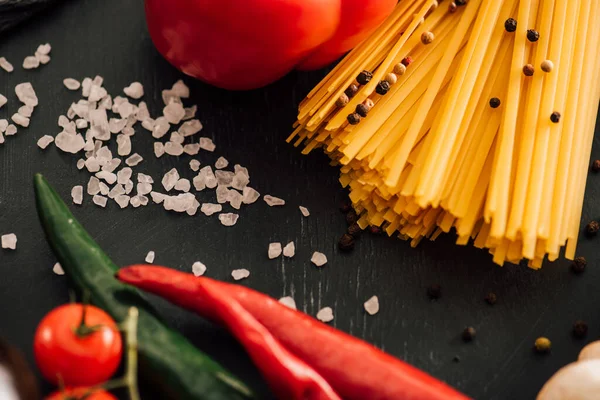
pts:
[166, 357]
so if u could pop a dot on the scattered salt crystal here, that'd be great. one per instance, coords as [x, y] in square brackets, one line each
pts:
[289, 250]
[199, 182]
[190, 128]
[123, 145]
[191, 149]
[124, 175]
[98, 80]
[170, 179]
[81, 124]
[26, 94]
[274, 250]
[222, 194]
[99, 200]
[273, 201]
[372, 305]
[180, 89]
[1, 138]
[58, 269]
[125, 109]
[116, 125]
[122, 200]
[45, 141]
[304, 211]
[143, 178]
[288, 301]
[99, 126]
[63, 121]
[111, 165]
[4, 125]
[238, 274]
[194, 165]
[159, 149]
[93, 186]
[228, 219]
[134, 160]
[174, 112]
[42, 58]
[77, 194]
[109, 177]
[105, 103]
[86, 86]
[198, 269]
[148, 124]
[168, 96]
[128, 186]
[193, 209]
[71, 84]
[161, 127]
[240, 181]
[117, 190]
[173, 149]
[179, 203]
[135, 201]
[144, 188]
[135, 90]
[157, 197]
[25, 111]
[249, 195]
[11, 130]
[224, 178]
[209, 208]
[143, 199]
[20, 120]
[104, 189]
[221, 163]
[44, 48]
[319, 259]
[97, 92]
[5, 65]
[176, 138]
[80, 163]
[150, 257]
[31, 62]
[142, 114]
[325, 314]
[68, 142]
[190, 112]
[235, 199]
[207, 144]
[183, 185]
[9, 241]
[3, 100]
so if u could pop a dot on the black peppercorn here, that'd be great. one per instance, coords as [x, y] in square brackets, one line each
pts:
[351, 90]
[353, 119]
[351, 217]
[461, 2]
[491, 298]
[494, 102]
[528, 70]
[596, 166]
[592, 228]
[345, 207]
[434, 291]
[362, 110]
[578, 265]
[354, 230]
[364, 77]
[342, 100]
[555, 117]
[580, 329]
[375, 230]
[452, 7]
[346, 242]
[383, 87]
[468, 334]
[533, 35]
[510, 25]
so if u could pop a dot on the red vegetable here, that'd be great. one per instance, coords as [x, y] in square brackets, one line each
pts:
[245, 44]
[355, 369]
[81, 355]
[81, 394]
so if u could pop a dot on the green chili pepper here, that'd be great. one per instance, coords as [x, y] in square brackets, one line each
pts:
[181, 371]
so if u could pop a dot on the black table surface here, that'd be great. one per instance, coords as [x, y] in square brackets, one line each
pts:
[109, 38]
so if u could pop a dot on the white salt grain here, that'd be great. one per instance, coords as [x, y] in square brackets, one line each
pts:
[31, 62]
[135, 201]
[143, 178]
[274, 250]
[1, 138]
[289, 250]
[173, 149]
[26, 94]
[71, 84]
[180, 89]
[319, 259]
[240, 181]
[170, 179]
[148, 124]
[128, 186]
[11, 130]
[9, 241]
[176, 138]
[124, 175]
[249, 195]
[161, 127]
[117, 190]
[135, 90]
[109, 177]
[239, 274]
[5, 65]
[77, 194]
[96, 93]
[209, 209]
[69, 142]
[207, 144]
[194, 165]
[288, 301]
[20, 120]
[143, 114]
[80, 163]
[58, 269]
[372, 305]
[191, 149]
[3, 125]
[159, 149]
[44, 49]
[93, 186]
[116, 125]
[42, 58]
[143, 188]
[104, 189]
[122, 200]
[99, 200]
[123, 145]
[304, 211]
[134, 160]
[228, 219]
[81, 123]
[221, 163]
[273, 201]
[190, 128]
[150, 257]
[111, 165]
[174, 112]
[3, 100]
[224, 178]
[45, 141]
[235, 199]
[198, 269]
[25, 111]
[325, 314]
[157, 197]
[183, 185]
[190, 112]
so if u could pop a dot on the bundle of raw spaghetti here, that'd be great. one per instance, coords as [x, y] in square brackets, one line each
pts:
[477, 116]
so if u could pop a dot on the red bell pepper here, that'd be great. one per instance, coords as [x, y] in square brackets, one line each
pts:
[355, 369]
[246, 44]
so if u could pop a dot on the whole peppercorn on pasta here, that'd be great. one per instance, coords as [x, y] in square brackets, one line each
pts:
[484, 128]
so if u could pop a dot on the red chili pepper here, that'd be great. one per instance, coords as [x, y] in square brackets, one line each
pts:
[245, 44]
[355, 369]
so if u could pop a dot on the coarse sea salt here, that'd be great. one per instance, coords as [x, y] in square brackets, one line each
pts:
[273, 201]
[25, 111]
[150, 257]
[5, 65]
[198, 269]
[209, 209]
[191, 149]
[207, 144]
[122, 200]
[45, 141]
[26, 94]
[288, 301]
[183, 185]
[9, 241]
[173, 149]
[44, 49]
[238, 274]
[289, 250]
[20, 120]
[319, 259]
[77, 194]
[250, 195]
[71, 84]
[228, 219]
[174, 112]
[3, 100]
[31, 62]
[58, 269]
[194, 165]
[372, 305]
[221, 163]
[190, 128]
[325, 314]
[134, 160]
[304, 211]
[274, 250]
[11, 130]
[170, 179]
[143, 188]
[135, 90]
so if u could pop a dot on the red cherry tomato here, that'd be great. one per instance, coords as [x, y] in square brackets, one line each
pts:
[80, 360]
[80, 394]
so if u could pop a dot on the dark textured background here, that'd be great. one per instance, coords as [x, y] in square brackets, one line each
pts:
[109, 38]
